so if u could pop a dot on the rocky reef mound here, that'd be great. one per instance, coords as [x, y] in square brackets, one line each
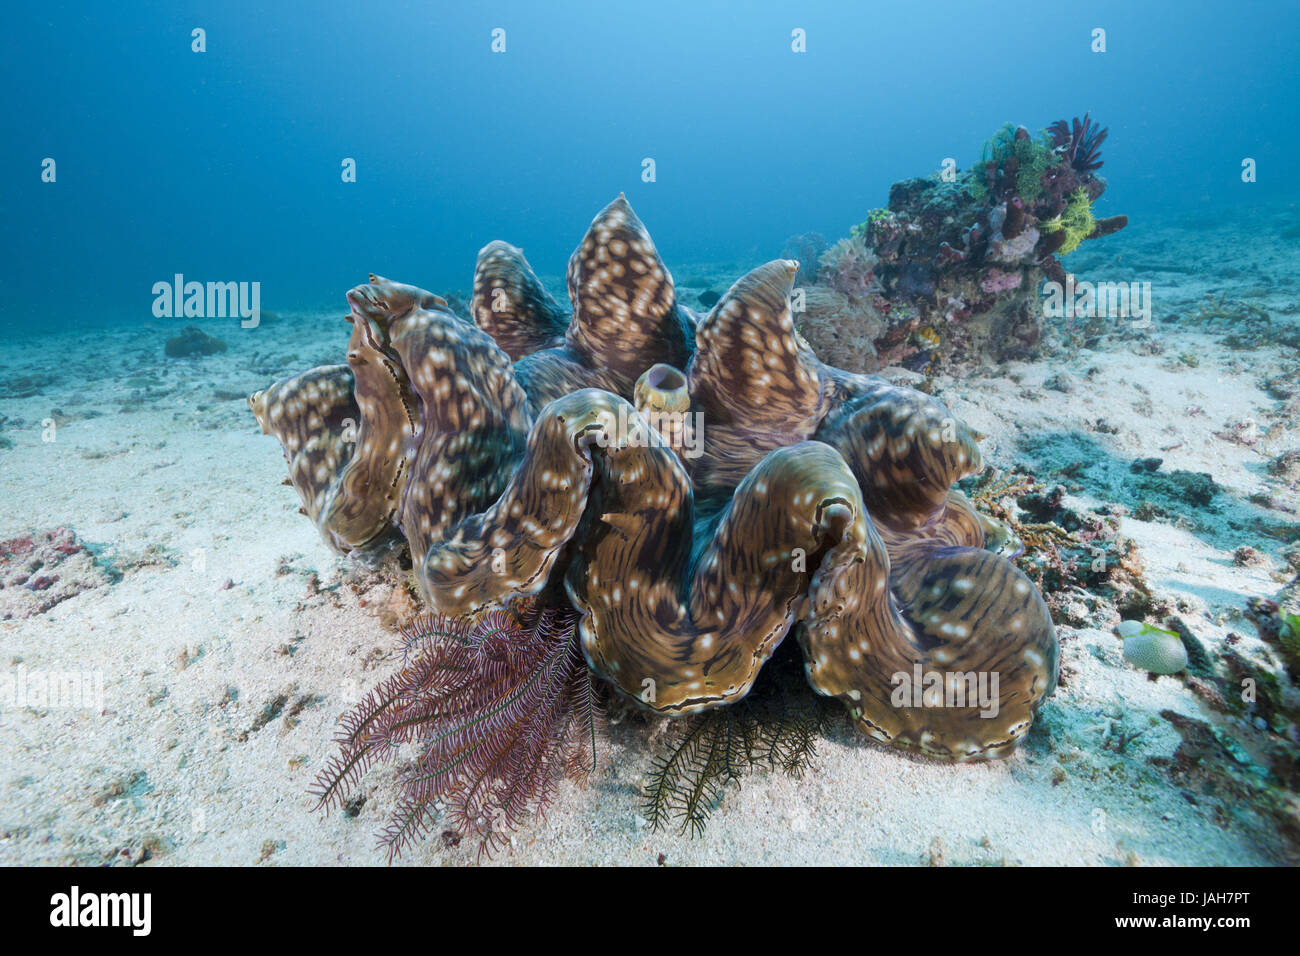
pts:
[952, 270]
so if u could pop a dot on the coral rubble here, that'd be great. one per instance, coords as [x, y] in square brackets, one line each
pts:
[42, 569]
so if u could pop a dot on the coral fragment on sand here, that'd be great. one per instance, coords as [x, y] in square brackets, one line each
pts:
[42, 569]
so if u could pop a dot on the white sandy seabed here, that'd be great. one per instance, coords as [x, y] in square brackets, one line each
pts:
[214, 621]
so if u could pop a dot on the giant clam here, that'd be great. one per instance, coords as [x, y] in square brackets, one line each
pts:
[696, 488]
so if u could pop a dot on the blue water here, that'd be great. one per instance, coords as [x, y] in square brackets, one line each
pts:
[225, 165]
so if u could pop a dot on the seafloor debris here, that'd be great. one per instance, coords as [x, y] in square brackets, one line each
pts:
[1246, 323]
[1090, 574]
[1286, 467]
[1211, 769]
[1245, 765]
[193, 341]
[22, 386]
[40, 569]
[950, 272]
[1279, 626]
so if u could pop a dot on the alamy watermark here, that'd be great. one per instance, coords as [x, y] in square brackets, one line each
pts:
[1108, 300]
[946, 689]
[212, 300]
[63, 689]
[133, 911]
[657, 429]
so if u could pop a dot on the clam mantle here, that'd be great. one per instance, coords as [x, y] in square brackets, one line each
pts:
[775, 494]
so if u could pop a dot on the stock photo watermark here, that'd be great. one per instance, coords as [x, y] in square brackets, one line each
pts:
[1105, 300]
[65, 690]
[657, 429]
[929, 689]
[129, 910]
[212, 300]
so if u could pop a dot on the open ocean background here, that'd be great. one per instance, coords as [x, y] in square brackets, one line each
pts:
[225, 165]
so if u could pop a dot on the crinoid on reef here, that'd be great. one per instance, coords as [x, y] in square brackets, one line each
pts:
[1079, 144]
[694, 489]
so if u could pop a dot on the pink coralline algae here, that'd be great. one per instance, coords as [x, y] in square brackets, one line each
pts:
[995, 280]
[42, 569]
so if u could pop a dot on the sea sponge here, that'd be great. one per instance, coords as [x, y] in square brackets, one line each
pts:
[995, 280]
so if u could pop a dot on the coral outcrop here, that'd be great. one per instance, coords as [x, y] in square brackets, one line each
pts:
[951, 271]
[696, 489]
